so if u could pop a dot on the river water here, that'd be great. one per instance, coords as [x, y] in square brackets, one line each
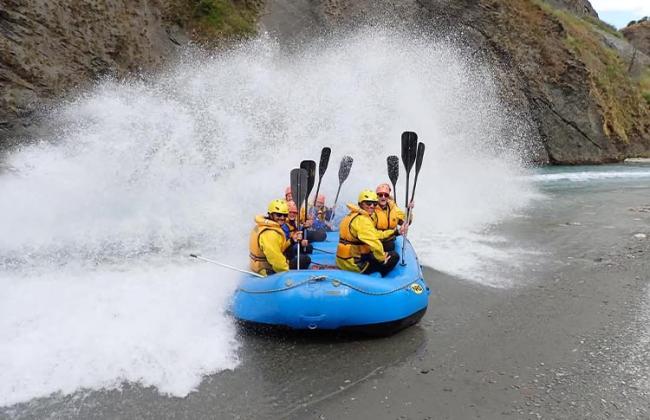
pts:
[103, 315]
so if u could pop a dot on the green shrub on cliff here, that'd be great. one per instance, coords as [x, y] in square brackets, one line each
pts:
[225, 17]
[213, 22]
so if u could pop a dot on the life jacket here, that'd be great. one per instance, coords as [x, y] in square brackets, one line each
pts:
[289, 227]
[386, 220]
[352, 253]
[259, 261]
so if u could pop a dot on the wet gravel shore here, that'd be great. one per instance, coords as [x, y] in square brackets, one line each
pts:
[569, 340]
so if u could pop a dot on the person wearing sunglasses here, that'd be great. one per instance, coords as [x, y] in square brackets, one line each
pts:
[268, 242]
[360, 248]
[307, 221]
[388, 217]
[291, 226]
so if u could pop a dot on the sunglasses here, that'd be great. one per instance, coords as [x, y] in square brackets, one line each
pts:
[384, 195]
[370, 203]
[279, 215]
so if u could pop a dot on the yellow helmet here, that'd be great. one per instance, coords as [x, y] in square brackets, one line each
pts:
[279, 206]
[368, 195]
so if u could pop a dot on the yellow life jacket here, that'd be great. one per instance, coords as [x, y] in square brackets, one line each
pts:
[267, 245]
[351, 252]
[386, 220]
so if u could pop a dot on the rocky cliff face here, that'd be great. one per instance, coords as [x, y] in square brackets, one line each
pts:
[580, 81]
[638, 34]
[555, 59]
[50, 48]
[577, 7]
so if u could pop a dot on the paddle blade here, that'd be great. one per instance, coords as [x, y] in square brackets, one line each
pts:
[344, 169]
[393, 168]
[418, 159]
[310, 167]
[409, 146]
[324, 161]
[299, 186]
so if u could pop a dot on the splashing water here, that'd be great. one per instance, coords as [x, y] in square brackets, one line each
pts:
[98, 218]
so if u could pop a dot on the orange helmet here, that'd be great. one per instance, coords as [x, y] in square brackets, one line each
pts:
[320, 199]
[383, 188]
[292, 207]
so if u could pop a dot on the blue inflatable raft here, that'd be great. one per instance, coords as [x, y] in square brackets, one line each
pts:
[326, 298]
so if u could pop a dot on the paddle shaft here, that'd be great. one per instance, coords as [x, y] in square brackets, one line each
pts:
[320, 178]
[335, 201]
[322, 168]
[198, 257]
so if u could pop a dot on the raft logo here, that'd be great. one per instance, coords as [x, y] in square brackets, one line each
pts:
[417, 289]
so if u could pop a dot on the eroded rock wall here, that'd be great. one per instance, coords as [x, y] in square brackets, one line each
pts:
[52, 47]
[553, 59]
[576, 79]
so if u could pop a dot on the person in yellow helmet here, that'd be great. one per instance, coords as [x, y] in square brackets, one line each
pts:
[388, 217]
[360, 248]
[268, 243]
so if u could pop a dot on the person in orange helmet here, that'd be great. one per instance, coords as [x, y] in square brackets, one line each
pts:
[306, 223]
[389, 219]
[290, 227]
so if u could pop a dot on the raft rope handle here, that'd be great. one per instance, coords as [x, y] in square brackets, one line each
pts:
[321, 278]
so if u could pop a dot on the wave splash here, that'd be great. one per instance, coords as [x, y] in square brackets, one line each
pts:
[98, 218]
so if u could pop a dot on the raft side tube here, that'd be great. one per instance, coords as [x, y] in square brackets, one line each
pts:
[335, 299]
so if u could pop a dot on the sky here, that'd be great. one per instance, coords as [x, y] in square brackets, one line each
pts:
[620, 12]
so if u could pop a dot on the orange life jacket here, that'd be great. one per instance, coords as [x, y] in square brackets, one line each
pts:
[386, 220]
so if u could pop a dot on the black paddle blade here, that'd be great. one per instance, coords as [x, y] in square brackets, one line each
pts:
[418, 159]
[324, 161]
[418, 165]
[393, 168]
[310, 167]
[299, 186]
[409, 145]
[344, 169]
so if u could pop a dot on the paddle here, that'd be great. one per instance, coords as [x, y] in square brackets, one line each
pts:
[418, 165]
[299, 178]
[393, 172]
[409, 155]
[198, 257]
[322, 167]
[344, 171]
[310, 167]
[409, 146]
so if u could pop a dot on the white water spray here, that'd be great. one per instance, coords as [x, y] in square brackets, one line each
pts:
[97, 220]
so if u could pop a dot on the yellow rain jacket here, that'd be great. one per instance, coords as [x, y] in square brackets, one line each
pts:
[386, 220]
[358, 239]
[267, 245]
